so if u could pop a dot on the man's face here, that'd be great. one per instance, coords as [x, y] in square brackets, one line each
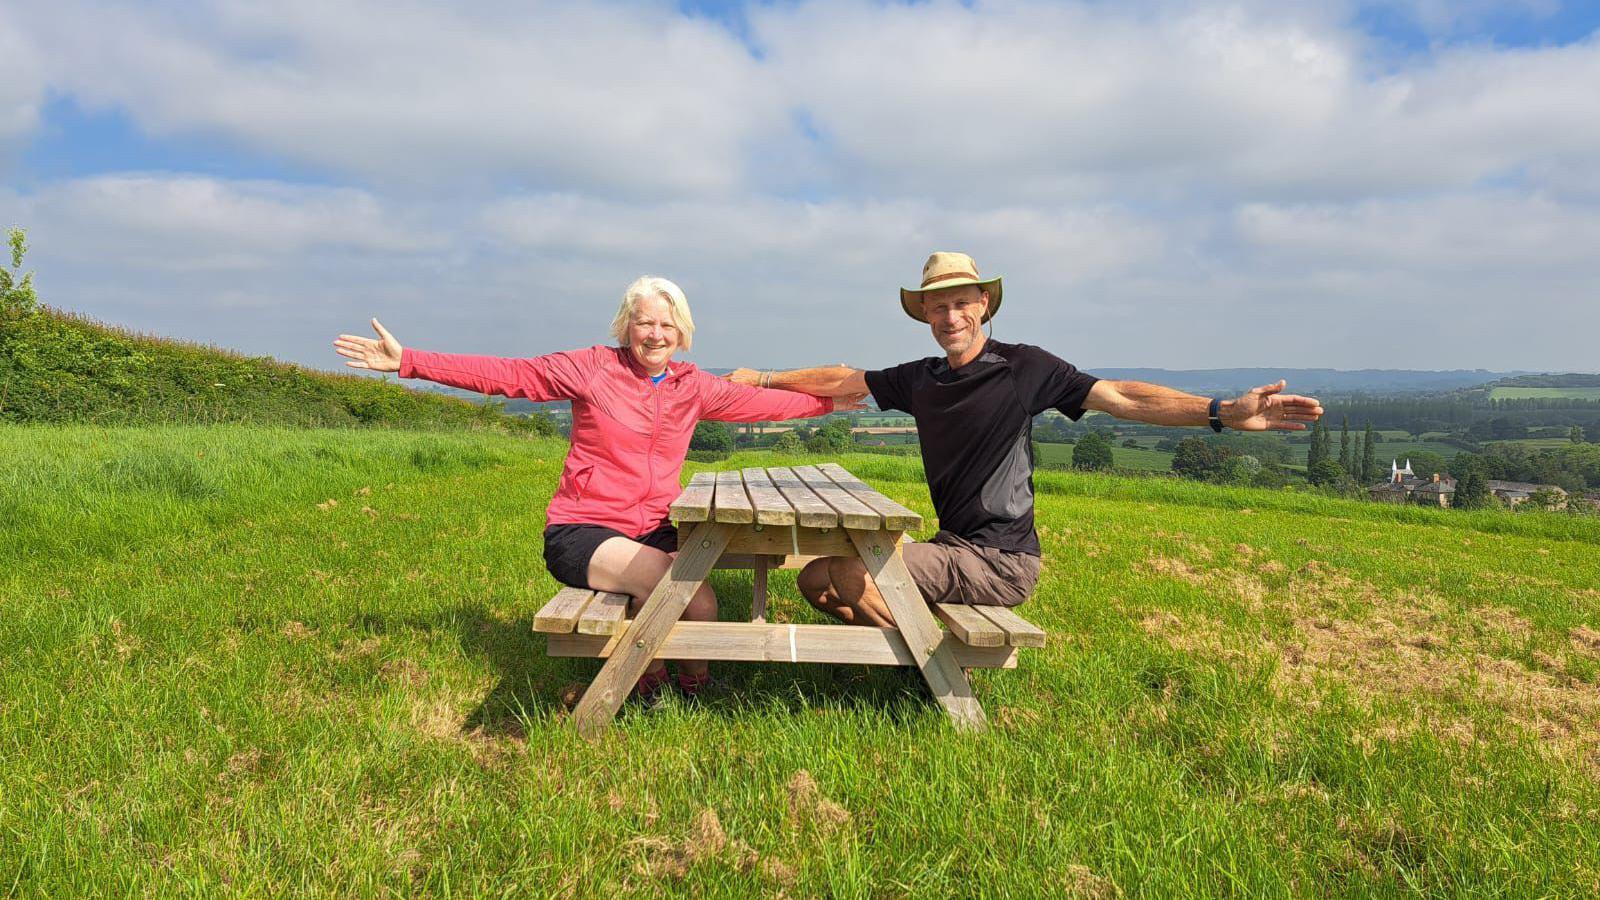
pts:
[956, 316]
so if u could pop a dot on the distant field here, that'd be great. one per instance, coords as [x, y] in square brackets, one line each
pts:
[1143, 459]
[272, 662]
[1385, 450]
[1522, 393]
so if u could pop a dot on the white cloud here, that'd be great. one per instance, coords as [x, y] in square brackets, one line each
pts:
[598, 95]
[178, 222]
[1023, 99]
[20, 87]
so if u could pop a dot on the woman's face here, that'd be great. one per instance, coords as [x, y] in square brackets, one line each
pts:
[652, 336]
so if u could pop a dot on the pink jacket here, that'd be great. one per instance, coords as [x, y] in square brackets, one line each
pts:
[629, 437]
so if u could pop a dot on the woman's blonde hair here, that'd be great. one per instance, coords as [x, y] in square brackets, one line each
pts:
[653, 286]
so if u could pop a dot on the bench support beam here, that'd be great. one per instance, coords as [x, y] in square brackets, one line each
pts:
[750, 642]
[880, 552]
[641, 641]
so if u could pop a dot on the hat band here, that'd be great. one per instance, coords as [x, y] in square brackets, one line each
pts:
[947, 276]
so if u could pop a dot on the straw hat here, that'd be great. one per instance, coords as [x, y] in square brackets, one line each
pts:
[943, 270]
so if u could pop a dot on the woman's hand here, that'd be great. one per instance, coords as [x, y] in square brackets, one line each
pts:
[849, 402]
[382, 355]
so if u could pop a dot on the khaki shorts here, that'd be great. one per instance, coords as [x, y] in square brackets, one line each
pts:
[950, 569]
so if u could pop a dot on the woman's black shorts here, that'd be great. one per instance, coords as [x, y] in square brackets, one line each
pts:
[568, 548]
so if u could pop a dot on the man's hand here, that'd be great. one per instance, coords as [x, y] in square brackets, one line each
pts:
[744, 376]
[382, 355]
[1265, 408]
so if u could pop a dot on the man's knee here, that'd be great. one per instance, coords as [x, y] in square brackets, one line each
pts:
[814, 582]
[847, 575]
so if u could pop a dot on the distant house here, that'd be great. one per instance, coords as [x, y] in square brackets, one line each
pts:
[1405, 486]
[1514, 492]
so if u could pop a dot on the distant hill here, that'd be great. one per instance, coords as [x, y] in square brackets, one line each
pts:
[57, 367]
[1550, 380]
[1342, 381]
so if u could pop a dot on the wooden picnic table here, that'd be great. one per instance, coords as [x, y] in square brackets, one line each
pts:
[782, 517]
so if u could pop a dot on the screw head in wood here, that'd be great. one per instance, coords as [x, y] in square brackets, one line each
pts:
[876, 550]
[705, 544]
[639, 644]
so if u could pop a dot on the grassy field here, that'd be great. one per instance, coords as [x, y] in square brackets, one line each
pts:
[1519, 393]
[266, 661]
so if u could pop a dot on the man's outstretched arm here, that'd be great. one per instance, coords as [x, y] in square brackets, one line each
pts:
[1260, 409]
[823, 381]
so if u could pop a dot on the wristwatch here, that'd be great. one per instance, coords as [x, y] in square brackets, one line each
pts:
[1214, 415]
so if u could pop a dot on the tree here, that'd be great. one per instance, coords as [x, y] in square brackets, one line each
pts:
[788, 442]
[1326, 473]
[1240, 470]
[711, 436]
[1369, 457]
[1345, 455]
[1576, 434]
[833, 437]
[1319, 448]
[1092, 453]
[1131, 444]
[1197, 459]
[1547, 499]
[1472, 485]
[17, 297]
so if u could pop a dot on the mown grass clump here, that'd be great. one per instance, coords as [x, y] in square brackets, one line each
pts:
[262, 661]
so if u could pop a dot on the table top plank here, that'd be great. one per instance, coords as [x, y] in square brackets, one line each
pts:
[771, 508]
[895, 516]
[732, 504]
[694, 504]
[810, 510]
[853, 512]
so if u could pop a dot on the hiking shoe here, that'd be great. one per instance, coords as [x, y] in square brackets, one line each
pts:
[702, 689]
[650, 688]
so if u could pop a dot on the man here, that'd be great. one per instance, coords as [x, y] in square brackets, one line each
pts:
[974, 409]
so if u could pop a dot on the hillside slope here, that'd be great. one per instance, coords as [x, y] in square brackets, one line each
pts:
[61, 368]
[269, 661]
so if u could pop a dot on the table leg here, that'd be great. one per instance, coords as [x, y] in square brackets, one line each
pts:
[758, 602]
[880, 551]
[639, 644]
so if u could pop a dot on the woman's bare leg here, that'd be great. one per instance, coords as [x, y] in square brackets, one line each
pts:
[621, 566]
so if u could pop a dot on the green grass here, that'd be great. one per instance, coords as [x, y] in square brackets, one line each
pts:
[60, 368]
[215, 680]
[1521, 393]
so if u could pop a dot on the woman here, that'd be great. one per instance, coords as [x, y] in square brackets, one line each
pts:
[633, 413]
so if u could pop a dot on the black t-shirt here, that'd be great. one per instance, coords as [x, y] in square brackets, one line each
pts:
[975, 425]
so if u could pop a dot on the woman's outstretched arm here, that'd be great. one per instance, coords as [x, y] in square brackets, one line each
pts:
[555, 376]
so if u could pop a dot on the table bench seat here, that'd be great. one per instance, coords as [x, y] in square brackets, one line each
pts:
[586, 611]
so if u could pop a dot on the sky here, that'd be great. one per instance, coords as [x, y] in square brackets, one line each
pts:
[1408, 184]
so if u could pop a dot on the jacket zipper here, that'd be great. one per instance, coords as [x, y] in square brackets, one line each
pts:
[650, 458]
